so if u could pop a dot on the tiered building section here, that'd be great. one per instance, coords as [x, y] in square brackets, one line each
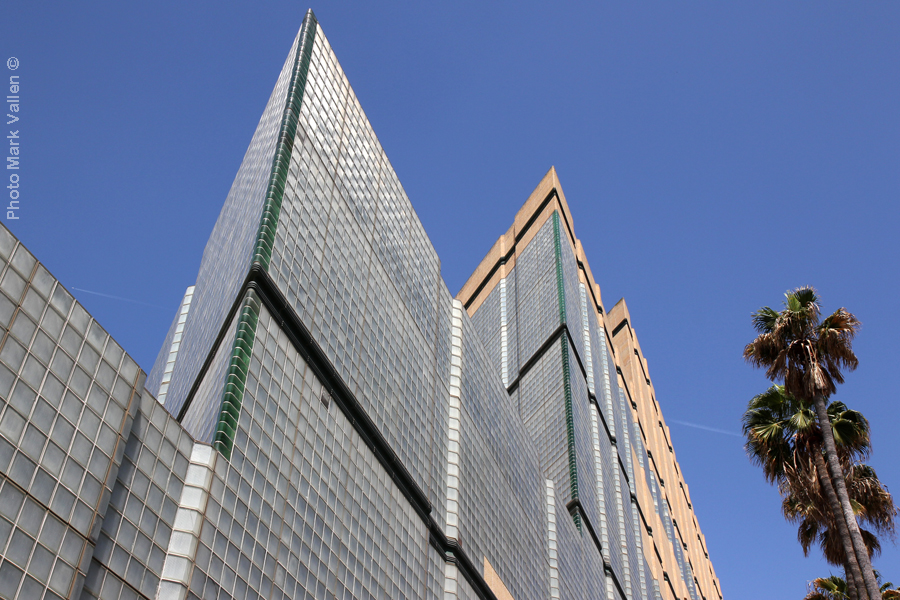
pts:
[331, 422]
[665, 487]
[582, 389]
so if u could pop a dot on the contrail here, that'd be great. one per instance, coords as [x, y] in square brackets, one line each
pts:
[705, 428]
[117, 298]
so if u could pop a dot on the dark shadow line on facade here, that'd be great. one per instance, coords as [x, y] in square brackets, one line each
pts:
[259, 281]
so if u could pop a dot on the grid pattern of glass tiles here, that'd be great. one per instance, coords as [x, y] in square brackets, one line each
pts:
[501, 483]
[202, 414]
[177, 335]
[496, 322]
[584, 442]
[542, 410]
[580, 565]
[67, 400]
[572, 289]
[488, 320]
[130, 551]
[304, 509]
[434, 578]
[537, 304]
[226, 258]
[355, 263]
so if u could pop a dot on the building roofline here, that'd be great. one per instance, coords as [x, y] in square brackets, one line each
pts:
[546, 198]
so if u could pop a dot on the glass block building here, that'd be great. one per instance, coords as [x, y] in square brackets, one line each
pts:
[325, 420]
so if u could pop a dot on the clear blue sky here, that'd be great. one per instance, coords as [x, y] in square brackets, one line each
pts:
[714, 154]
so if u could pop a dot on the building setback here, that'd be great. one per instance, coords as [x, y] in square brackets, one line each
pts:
[325, 420]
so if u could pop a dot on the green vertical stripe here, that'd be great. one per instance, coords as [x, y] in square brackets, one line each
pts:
[567, 379]
[265, 238]
[236, 379]
[560, 282]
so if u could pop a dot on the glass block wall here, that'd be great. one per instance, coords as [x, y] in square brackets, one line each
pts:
[90, 463]
[332, 422]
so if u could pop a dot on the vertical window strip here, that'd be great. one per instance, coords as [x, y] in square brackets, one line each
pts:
[504, 353]
[607, 384]
[629, 465]
[653, 491]
[620, 513]
[598, 474]
[586, 334]
[624, 415]
[640, 449]
[182, 548]
[454, 421]
[676, 545]
[570, 426]
[667, 522]
[451, 581]
[236, 379]
[176, 344]
[551, 540]
[639, 544]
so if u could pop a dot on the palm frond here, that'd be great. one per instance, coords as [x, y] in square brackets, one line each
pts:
[764, 319]
[850, 429]
[803, 300]
[835, 340]
[763, 350]
[876, 505]
[827, 588]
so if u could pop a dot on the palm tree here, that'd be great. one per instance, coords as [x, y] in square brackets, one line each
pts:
[872, 503]
[889, 592]
[835, 588]
[807, 353]
[783, 437]
[827, 588]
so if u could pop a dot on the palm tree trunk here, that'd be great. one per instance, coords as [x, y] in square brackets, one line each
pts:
[852, 570]
[840, 488]
[852, 588]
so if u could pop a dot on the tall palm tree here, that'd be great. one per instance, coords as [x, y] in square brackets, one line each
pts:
[794, 345]
[783, 438]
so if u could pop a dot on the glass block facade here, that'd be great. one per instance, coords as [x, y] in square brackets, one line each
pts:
[582, 392]
[325, 419]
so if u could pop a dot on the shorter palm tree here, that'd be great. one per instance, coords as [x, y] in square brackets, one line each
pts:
[889, 592]
[835, 588]
[808, 353]
[827, 588]
[784, 438]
